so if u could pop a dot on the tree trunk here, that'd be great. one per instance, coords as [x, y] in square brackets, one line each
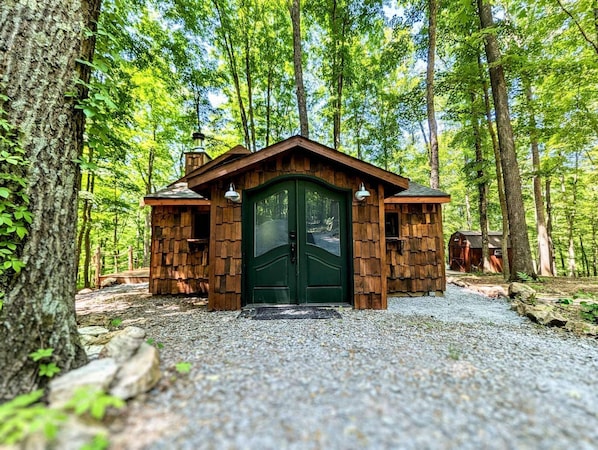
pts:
[432, 126]
[594, 245]
[87, 239]
[522, 257]
[468, 211]
[570, 211]
[482, 185]
[547, 190]
[39, 307]
[268, 105]
[249, 93]
[544, 250]
[295, 9]
[584, 258]
[506, 266]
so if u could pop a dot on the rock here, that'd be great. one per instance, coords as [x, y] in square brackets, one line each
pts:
[492, 291]
[581, 327]
[93, 330]
[107, 282]
[98, 374]
[522, 291]
[139, 374]
[102, 339]
[124, 344]
[93, 351]
[85, 291]
[543, 314]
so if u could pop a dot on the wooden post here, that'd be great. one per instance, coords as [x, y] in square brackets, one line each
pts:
[98, 261]
[130, 257]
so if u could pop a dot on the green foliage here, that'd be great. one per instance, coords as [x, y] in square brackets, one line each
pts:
[454, 352]
[45, 369]
[41, 353]
[153, 342]
[565, 301]
[14, 216]
[589, 311]
[524, 277]
[116, 322]
[92, 402]
[26, 414]
[183, 367]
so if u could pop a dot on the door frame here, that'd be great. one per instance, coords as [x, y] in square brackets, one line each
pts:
[246, 215]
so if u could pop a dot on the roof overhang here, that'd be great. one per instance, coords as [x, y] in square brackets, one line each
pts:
[198, 180]
[176, 194]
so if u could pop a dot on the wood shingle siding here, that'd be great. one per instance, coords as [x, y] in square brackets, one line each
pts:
[177, 266]
[415, 262]
[369, 257]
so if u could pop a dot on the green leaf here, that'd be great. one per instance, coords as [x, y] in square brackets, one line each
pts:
[183, 367]
[48, 370]
[41, 354]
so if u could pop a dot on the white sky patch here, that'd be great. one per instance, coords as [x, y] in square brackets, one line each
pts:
[217, 99]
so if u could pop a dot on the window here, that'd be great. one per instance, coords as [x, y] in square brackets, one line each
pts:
[391, 224]
[201, 225]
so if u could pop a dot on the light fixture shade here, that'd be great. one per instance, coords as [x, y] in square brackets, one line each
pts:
[232, 195]
[362, 193]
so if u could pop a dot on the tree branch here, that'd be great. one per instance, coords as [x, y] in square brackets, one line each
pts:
[579, 27]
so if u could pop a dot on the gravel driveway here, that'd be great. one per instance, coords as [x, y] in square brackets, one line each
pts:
[462, 371]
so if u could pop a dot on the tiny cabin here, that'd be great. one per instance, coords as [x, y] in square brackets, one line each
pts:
[295, 223]
[465, 251]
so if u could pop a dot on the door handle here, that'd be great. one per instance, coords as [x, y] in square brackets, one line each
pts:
[293, 252]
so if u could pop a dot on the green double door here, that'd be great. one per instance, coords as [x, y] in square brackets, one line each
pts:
[295, 244]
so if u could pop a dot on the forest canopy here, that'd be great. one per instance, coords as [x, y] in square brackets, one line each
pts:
[164, 69]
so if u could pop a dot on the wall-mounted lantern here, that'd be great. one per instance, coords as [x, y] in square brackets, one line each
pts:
[232, 195]
[362, 193]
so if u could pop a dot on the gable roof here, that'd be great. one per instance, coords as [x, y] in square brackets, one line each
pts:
[475, 238]
[418, 193]
[200, 178]
[238, 151]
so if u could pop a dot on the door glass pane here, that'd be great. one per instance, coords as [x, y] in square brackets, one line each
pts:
[271, 222]
[323, 219]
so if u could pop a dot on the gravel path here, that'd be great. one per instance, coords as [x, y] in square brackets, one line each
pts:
[462, 371]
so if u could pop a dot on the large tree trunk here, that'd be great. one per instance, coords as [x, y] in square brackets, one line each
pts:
[544, 250]
[295, 10]
[500, 185]
[547, 190]
[41, 42]
[432, 126]
[570, 211]
[522, 256]
[482, 185]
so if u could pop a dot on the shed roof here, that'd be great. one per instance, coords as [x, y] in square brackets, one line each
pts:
[475, 238]
[418, 193]
[199, 178]
[176, 194]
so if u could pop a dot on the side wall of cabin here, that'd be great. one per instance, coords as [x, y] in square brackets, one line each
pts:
[177, 265]
[415, 261]
[369, 255]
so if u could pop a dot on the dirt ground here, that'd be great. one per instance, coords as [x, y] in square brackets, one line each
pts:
[564, 294]
[547, 287]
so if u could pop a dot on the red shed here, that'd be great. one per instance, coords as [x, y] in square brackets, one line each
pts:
[465, 251]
